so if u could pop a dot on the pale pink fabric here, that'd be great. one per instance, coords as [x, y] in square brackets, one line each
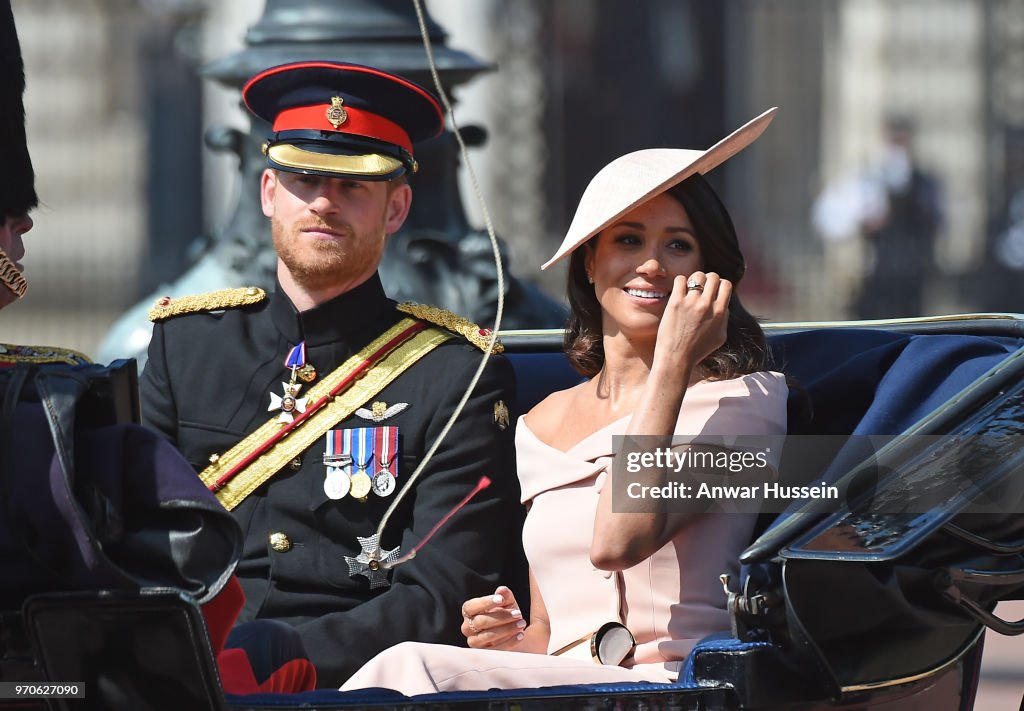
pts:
[669, 602]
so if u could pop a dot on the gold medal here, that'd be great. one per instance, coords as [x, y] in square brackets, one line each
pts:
[361, 485]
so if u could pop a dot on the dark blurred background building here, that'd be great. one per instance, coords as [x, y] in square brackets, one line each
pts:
[117, 112]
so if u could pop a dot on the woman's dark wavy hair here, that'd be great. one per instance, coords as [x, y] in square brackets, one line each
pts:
[744, 350]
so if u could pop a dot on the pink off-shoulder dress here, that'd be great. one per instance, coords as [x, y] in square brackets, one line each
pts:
[669, 601]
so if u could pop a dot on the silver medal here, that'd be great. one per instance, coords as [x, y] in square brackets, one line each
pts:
[383, 483]
[337, 483]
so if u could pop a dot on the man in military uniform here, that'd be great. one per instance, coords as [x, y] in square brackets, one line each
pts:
[308, 409]
[17, 194]
[118, 464]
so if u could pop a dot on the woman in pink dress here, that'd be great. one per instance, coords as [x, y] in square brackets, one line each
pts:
[668, 350]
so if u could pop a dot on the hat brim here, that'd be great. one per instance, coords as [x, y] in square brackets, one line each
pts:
[338, 160]
[632, 179]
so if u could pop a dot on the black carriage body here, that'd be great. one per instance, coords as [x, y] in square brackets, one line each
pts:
[894, 615]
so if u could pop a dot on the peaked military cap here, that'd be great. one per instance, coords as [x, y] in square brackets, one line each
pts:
[342, 120]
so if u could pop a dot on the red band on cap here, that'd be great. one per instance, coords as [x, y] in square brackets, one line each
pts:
[359, 122]
[349, 68]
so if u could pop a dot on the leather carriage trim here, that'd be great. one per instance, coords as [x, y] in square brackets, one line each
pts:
[258, 457]
[167, 307]
[479, 337]
[934, 671]
[13, 354]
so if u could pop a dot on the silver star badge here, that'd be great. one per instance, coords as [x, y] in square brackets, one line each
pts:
[369, 562]
[288, 403]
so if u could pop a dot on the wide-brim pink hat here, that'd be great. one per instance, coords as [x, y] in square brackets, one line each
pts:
[636, 177]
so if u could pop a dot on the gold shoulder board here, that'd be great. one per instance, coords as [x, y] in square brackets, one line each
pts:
[166, 307]
[479, 337]
[10, 354]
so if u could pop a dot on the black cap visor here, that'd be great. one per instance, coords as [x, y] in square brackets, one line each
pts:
[338, 156]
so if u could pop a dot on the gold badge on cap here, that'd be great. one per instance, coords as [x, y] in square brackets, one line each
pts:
[501, 415]
[336, 114]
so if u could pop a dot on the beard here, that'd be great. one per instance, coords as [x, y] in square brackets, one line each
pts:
[321, 264]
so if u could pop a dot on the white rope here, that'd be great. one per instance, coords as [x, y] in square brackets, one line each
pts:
[497, 263]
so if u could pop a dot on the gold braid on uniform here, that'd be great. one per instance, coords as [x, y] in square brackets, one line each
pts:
[479, 337]
[11, 277]
[166, 307]
[40, 354]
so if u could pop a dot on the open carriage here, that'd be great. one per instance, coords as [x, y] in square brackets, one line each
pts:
[867, 607]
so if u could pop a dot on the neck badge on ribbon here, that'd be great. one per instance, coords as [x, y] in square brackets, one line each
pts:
[290, 402]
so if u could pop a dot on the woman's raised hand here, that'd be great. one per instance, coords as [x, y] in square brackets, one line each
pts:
[696, 318]
[493, 621]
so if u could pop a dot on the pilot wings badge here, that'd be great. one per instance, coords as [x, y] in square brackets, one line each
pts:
[380, 411]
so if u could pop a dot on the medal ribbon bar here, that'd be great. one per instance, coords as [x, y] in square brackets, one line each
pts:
[386, 447]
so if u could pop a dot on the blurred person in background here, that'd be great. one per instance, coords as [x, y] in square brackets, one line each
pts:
[896, 206]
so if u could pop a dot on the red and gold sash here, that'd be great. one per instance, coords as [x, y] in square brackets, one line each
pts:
[246, 466]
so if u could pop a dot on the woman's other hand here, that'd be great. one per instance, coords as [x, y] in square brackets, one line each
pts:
[494, 621]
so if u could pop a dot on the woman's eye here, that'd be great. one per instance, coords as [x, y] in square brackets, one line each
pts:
[628, 238]
[681, 245]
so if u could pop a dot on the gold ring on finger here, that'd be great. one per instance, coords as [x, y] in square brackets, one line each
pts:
[694, 285]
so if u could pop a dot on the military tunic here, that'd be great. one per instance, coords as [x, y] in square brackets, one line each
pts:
[207, 384]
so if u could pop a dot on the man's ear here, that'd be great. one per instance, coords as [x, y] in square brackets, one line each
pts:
[399, 202]
[268, 186]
